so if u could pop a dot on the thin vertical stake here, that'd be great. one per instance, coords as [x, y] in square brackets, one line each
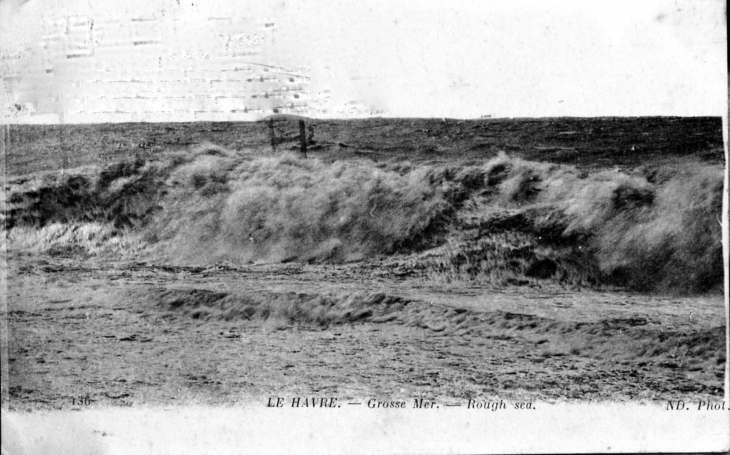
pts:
[273, 134]
[303, 138]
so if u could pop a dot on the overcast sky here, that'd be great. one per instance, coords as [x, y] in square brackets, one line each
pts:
[455, 58]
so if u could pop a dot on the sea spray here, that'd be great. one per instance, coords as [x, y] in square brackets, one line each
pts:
[507, 221]
[284, 208]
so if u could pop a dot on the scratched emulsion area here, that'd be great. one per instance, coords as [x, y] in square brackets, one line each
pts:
[109, 69]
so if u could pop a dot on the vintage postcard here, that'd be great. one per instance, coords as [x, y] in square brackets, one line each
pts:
[364, 227]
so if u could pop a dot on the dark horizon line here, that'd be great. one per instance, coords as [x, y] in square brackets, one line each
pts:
[345, 119]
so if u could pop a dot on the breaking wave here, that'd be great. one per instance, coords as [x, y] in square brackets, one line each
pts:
[505, 221]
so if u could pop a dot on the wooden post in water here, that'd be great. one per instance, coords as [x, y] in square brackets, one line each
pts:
[63, 149]
[302, 130]
[273, 134]
[303, 138]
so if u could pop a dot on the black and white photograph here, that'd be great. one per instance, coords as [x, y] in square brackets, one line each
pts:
[309, 226]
